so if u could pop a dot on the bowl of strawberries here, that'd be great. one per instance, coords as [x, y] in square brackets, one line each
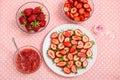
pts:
[78, 10]
[32, 17]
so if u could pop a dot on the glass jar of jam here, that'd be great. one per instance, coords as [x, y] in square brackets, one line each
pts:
[28, 60]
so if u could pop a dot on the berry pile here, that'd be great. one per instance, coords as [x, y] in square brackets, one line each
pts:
[32, 19]
[77, 10]
[70, 50]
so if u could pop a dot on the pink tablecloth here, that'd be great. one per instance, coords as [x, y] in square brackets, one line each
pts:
[107, 65]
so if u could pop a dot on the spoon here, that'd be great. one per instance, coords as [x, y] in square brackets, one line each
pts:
[13, 40]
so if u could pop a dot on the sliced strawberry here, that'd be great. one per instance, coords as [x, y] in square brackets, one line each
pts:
[89, 53]
[36, 10]
[51, 54]
[88, 45]
[74, 42]
[74, 69]
[85, 38]
[28, 11]
[55, 41]
[41, 16]
[82, 59]
[66, 9]
[61, 37]
[82, 18]
[75, 3]
[87, 14]
[80, 54]
[56, 60]
[73, 10]
[65, 58]
[80, 45]
[66, 49]
[70, 56]
[71, 16]
[58, 54]
[67, 39]
[61, 64]
[76, 58]
[54, 35]
[28, 27]
[67, 5]
[53, 46]
[63, 52]
[86, 5]
[76, 14]
[76, 18]
[67, 44]
[84, 1]
[60, 46]
[73, 53]
[42, 23]
[76, 37]
[70, 64]
[78, 63]
[66, 70]
[70, 1]
[78, 32]
[68, 33]
[72, 49]
[85, 63]
[81, 10]
[83, 50]
[79, 5]
[67, 14]
[89, 9]
[22, 20]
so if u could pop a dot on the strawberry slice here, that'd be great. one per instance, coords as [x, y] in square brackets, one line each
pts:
[74, 42]
[36, 10]
[66, 70]
[63, 52]
[88, 45]
[65, 58]
[67, 40]
[76, 37]
[89, 9]
[60, 46]
[66, 49]
[61, 37]
[80, 54]
[85, 38]
[70, 64]
[67, 44]
[79, 5]
[84, 1]
[82, 59]
[81, 10]
[51, 54]
[56, 60]
[73, 53]
[76, 58]
[72, 49]
[78, 63]
[89, 53]
[70, 56]
[54, 35]
[67, 5]
[73, 10]
[76, 14]
[74, 69]
[80, 45]
[28, 11]
[61, 64]
[78, 32]
[66, 9]
[76, 18]
[83, 50]
[82, 18]
[68, 33]
[86, 5]
[85, 63]
[58, 54]
[53, 46]
[87, 14]
[55, 41]
[75, 3]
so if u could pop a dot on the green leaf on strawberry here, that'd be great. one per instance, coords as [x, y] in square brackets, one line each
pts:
[61, 58]
[23, 14]
[93, 43]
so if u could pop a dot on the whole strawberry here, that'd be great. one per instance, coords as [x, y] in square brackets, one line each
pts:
[42, 23]
[37, 10]
[22, 20]
[36, 28]
[28, 11]
[28, 27]
[41, 16]
[32, 18]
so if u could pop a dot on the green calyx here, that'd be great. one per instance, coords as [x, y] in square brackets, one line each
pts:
[61, 58]
[93, 43]
[35, 23]
[23, 14]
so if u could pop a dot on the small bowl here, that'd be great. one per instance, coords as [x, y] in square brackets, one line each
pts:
[32, 4]
[73, 21]
[16, 62]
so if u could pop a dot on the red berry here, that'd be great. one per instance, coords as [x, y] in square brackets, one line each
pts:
[36, 28]
[31, 18]
[22, 20]
[28, 27]
[42, 23]
[41, 17]
[37, 10]
[28, 11]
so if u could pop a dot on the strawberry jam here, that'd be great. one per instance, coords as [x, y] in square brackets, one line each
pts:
[29, 60]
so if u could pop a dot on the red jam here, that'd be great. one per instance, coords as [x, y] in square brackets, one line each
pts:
[29, 60]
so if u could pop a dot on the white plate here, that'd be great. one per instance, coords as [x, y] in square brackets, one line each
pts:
[48, 60]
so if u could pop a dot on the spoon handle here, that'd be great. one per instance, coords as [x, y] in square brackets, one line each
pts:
[15, 44]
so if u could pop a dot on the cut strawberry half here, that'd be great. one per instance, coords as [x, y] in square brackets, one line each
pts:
[54, 35]
[73, 53]
[55, 41]
[71, 16]
[66, 70]
[63, 52]
[66, 49]
[86, 5]
[76, 58]
[76, 18]
[61, 37]
[81, 10]
[60, 46]
[68, 33]
[74, 69]
[67, 44]
[82, 59]
[78, 63]
[78, 32]
[72, 49]
[61, 64]
[89, 53]
[88, 45]
[85, 63]
[70, 64]
[70, 56]
[80, 54]
[79, 5]
[84, 1]
[53, 46]
[87, 14]
[67, 5]
[66, 9]
[73, 10]
[85, 38]
[74, 42]
[58, 54]
[76, 37]
[80, 45]
[56, 60]
[88, 9]
[65, 58]
[67, 39]
[75, 3]
[51, 54]
[83, 50]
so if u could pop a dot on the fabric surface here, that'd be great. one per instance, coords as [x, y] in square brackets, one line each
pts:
[107, 65]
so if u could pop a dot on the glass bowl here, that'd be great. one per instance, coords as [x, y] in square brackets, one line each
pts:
[29, 61]
[90, 2]
[32, 4]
